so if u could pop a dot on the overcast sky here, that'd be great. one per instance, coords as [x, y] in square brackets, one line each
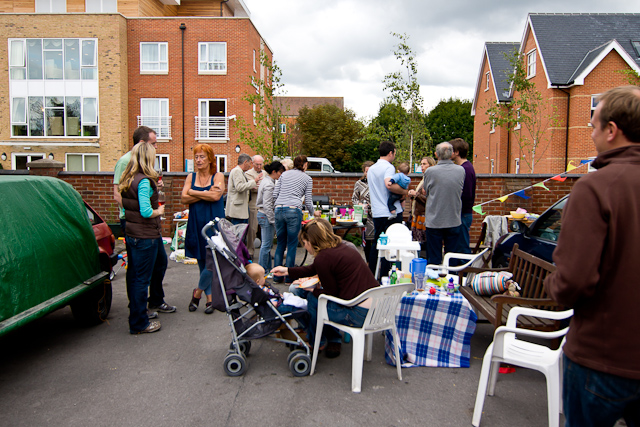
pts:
[345, 47]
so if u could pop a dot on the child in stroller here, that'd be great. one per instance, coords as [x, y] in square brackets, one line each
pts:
[249, 308]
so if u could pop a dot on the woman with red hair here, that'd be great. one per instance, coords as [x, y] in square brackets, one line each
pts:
[202, 191]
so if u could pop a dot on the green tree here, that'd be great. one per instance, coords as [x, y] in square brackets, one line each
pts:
[529, 115]
[263, 135]
[451, 119]
[328, 131]
[405, 92]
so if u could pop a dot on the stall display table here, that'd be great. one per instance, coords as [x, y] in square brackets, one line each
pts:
[434, 330]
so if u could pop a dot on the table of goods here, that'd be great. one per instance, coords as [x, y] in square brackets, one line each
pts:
[434, 330]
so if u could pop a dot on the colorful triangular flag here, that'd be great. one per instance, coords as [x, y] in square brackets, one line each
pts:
[503, 198]
[478, 209]
[541, 184]
[559, 178]
[521, 194]
[570, 167]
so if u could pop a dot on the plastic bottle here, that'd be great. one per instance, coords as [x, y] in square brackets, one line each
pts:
[451, 288]
[394, 275]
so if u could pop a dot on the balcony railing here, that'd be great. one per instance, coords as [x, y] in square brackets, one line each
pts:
[212, 128]
[162, 125]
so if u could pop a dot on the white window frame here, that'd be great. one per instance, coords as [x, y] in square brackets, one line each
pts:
[164, 161]
[488, 79]
[104, 6]
[84, 156]
[531, 63]
[161, 124]
[28, 155]
[255, 70]
[224, 158]
[201, 60]
[206, 125]
[255, 123]
[493, 126]
[51, 6]
[163, 64]
[283, 128]
[517, 126]
[594, 104]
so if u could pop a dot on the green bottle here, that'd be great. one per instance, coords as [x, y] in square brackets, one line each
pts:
[393, 279]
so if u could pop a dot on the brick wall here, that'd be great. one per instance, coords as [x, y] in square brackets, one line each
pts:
[97, 189]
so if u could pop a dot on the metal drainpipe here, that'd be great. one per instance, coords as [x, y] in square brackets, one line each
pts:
[221, 3]
[508, 147]
[566, 140]
[182, 28]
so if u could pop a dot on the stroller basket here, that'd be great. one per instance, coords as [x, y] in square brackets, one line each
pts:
[249, 308]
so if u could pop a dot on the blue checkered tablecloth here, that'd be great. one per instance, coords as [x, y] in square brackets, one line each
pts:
[434, 330]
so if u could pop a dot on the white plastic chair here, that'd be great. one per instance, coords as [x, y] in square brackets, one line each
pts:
[445, 267]
[507, 348]
[381, 316]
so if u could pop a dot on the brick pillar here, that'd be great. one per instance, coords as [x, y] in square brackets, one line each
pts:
[45, 167]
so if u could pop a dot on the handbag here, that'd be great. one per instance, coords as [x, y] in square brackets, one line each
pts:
[491, 282]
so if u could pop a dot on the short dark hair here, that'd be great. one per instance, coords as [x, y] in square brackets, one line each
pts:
[386, 147]
[299, 161]
[461, 146]
[621, 105]
[275, 166]
[142, 134]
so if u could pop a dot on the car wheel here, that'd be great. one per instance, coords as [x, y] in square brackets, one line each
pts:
[92, 307]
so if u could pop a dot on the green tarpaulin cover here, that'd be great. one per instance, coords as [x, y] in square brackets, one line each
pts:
[47, 245]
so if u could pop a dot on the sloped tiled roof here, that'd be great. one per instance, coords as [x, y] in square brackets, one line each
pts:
[500, 66]
[568, 43]
[291, 105]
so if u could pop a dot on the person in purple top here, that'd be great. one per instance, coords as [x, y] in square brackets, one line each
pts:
[460, 151]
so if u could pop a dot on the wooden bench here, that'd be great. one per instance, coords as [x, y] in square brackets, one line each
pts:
[529, 273]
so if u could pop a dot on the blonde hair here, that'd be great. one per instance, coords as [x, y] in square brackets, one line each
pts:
[255, 271]
[319, 233]
[143, 156]
[287, 163]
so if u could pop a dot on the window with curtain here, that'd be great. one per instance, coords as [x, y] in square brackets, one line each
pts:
[101, 6]
[212, 58]
[51, 6]
[54, 116]
[53, 59]
[154, 58]
[155, 114]
[82, 162]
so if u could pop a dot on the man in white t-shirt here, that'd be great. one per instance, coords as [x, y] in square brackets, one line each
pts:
[379, 179]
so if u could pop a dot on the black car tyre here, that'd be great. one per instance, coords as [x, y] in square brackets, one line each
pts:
[92, 307]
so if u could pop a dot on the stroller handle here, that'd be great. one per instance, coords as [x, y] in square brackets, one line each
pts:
[210, 225]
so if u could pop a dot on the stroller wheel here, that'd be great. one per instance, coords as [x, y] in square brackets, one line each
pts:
[234, 365]
[299, 363]
[245, 347]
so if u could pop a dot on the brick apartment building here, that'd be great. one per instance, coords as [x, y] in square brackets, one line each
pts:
[571, 58]
[81, 75]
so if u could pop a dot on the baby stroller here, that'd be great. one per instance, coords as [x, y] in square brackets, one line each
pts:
[249, 309]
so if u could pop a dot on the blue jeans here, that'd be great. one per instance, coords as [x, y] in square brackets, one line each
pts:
[464, 233]
[147, 259]
[267, 231]
[206, 277]
[288, 223]
[436, 237]
[349, 316]
[594, 398]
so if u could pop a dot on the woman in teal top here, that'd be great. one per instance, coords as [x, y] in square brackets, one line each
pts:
[203, 192]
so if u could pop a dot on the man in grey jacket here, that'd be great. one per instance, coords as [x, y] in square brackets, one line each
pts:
[237, 208]
[443, 188]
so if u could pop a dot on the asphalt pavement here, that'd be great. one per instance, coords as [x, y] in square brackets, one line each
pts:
[53, 372]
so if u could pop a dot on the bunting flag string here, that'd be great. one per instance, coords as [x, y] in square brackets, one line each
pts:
[521, 193]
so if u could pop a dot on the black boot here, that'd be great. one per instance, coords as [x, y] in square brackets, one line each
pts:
[193, 305]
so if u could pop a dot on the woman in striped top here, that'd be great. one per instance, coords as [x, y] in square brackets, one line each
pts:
[288, 192]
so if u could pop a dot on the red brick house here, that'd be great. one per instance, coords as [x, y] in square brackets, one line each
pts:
[571, 58]
[83, 74]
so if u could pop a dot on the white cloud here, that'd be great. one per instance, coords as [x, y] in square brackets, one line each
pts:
[344, 48]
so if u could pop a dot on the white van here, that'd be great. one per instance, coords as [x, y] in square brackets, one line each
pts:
[320, 164]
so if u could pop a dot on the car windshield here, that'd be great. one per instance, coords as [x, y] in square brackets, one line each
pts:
[548, 226]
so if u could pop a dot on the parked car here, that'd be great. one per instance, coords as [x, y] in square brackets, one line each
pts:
[540, 239]
[105, 239]
[49, 253]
